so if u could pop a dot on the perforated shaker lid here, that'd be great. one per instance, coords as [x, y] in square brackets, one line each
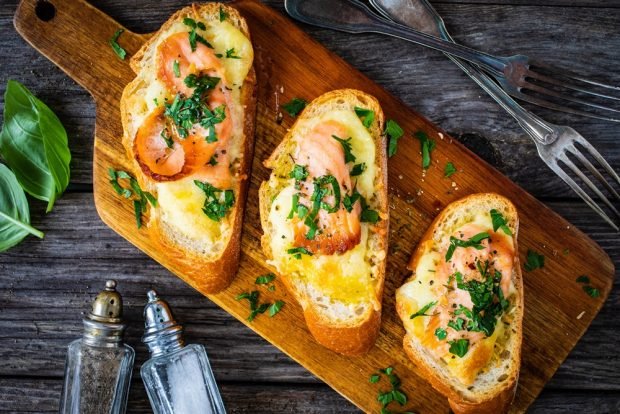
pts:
[161, 330]
[108, 305]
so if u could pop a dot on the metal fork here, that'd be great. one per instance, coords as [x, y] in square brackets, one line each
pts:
[556, 144]
[514, 73]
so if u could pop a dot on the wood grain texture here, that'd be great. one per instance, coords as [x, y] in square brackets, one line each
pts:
[79, 251]
[416, 197]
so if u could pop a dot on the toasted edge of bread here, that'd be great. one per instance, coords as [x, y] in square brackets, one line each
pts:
[499, 398]
[206, 276]
[353, 338]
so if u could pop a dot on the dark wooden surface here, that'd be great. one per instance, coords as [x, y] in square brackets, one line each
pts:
[46, 286]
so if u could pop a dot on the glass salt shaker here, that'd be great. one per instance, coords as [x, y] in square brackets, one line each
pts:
[98, 366]
[178, 377]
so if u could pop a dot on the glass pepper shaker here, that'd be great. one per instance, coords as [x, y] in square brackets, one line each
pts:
[98, 366]
[178, 377]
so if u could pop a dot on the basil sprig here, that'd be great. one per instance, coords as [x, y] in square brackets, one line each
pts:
[34, 145]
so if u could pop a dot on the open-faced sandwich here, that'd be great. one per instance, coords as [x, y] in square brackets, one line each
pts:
[463, 305]
[324, 215]
[188, 120]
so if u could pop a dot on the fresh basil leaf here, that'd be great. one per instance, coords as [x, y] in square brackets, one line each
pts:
[265, 279]
[34, 145]
[366, 115]
[459, 347]
[294, 106]
[275, 308]
[394, 133]
[534, 261]
[449, 170]
[14, 211]
[120, 52]
[422, 312]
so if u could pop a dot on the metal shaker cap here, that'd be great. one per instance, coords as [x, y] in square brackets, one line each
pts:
[108, 305]
[162, 333]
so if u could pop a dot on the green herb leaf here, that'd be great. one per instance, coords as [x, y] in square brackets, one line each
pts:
[223, 14]
[294, 106]
[193, 36]
[167, 138]
[358, 169]
[275, 308]
[231, 54]
[260, 309]
[346, 146]
[137, 209]
[399, 397]
[366, 115]
[449, 170]
[385, 398]
[369, 216]
[298, 251]
[14, 211]
[566, 252]
[592, 291]
[374, 378]
[423, 310]
[175, 68]
[218, 201]
[457, 324]
[394, 133]
[499, 222]
[474, 241]
[34, 145]
[534, 261]
[265, 279]
[459, 347]
[441, 333]
[299, 173]
[583, 279]
[120, 52]
[427, 146]
[213, 160]
[252, 298]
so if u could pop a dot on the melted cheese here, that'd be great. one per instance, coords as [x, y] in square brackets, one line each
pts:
[180, 202]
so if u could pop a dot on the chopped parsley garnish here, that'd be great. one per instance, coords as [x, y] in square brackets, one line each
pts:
[395, 394]
[457, 324]
[427, 146]
[349, 200]
[255, 308]
[120, 52]
[422, 312]
[394, 133]
[583, 279]
[143, 197]
[499, 222]
[367, 215]
[213, 160]
[167, 138]
[223, 14]
[299, 173]
[449, 169]
[358, 169]
[534, 261]
[186, 112]
[275, 308]
[175, 68]
[265, 279]
[298, 251]
[459, 347]
[441, 333]
[474, 241]
[592, 291]
[231, 54]
[366, 115]
[218, 201]
[346, 146]
[294, 106]
[193, 36]
[319, 183]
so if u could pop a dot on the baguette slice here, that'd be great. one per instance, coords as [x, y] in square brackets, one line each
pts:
[205, 250]
[340, 285]
[484, 379]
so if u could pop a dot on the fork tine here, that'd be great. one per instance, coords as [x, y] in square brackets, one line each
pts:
[576, 188]
[556, 107]
[589, 183]
[571, 75]
[594, 171]
[547, 79]
[551, 92]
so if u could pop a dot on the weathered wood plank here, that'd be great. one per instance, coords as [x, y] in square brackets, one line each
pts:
[424, 79]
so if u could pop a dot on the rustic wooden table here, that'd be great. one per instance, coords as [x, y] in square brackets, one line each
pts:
[46, 286]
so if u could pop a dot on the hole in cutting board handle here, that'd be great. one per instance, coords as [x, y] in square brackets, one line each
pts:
[45, 10]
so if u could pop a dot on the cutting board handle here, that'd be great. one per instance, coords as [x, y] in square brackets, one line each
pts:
[75, 36]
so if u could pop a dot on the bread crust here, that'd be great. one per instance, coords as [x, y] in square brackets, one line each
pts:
[501, 399]
[355, 339]
[206, 276]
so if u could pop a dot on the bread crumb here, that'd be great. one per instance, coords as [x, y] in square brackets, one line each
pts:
[400, 176]
[440, 135]
[581, 314]
[453, 183]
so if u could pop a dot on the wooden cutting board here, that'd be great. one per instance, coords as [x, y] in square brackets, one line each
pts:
[291, 64]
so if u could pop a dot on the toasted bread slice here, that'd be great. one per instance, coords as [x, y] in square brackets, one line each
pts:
[338, 279]
[201, 56]
[463, 309]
